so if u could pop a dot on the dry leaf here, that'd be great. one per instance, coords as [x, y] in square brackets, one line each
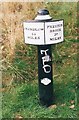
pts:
[69, 56]
[72, 101]
[72, 106]
[18, 117]
[2, 89]
[63, 104]
[53, 106]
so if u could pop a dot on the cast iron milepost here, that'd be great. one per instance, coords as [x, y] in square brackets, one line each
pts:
[43, 32]
[45, 65]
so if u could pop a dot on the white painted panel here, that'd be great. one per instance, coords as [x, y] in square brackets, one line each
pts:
[54, 32]
[34, 33]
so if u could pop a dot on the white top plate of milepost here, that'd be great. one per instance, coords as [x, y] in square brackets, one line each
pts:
[43, 33]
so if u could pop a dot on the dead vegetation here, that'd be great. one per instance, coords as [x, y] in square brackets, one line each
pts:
[12, 17]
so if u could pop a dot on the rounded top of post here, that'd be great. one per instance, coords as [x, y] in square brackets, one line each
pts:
[43, 12]
[43, 15]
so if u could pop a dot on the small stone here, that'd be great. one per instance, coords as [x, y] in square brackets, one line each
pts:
[72, 106]
[53, 106]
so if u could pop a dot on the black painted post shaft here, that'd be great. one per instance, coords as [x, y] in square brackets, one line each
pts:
[45, 75]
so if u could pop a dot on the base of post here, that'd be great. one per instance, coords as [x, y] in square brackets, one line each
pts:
[47, 103]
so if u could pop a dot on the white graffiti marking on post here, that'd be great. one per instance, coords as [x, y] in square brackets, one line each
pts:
[46, 58]
[46, 67]
[45, 81]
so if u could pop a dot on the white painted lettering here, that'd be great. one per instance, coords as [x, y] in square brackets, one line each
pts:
[46, 58]
[47, 68]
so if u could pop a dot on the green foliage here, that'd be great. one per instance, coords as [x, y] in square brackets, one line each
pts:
[25, 61]
[24, 64]
[66, 11]
[23, 99]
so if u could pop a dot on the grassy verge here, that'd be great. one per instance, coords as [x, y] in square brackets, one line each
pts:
[22, 99]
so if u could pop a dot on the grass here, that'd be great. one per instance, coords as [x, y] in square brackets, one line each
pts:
[22, 98]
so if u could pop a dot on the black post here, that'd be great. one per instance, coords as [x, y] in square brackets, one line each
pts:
[45, 65]
[45, 74]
